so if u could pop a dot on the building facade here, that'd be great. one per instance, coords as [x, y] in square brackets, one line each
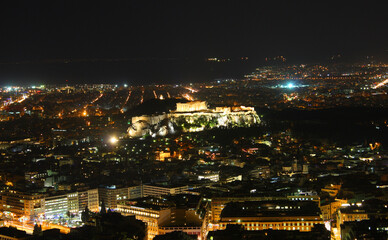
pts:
[20, 204]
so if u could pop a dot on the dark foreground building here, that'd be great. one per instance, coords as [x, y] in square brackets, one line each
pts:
[366, 229]
[233, 232]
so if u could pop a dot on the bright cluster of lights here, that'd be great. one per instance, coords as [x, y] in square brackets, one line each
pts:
[381, 84]
[192, 90]
[188, 97]
[290, 85]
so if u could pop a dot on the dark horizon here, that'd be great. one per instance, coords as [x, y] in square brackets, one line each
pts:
[51, 41]
[136, 72]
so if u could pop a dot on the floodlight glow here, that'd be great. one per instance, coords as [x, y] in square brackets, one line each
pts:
[290, 85]
[113, 140]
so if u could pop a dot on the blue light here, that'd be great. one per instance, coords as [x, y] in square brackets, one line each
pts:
[290, 85]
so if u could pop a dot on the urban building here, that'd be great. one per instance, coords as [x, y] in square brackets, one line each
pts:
[276, 215]
[152, 190]
[19, 204]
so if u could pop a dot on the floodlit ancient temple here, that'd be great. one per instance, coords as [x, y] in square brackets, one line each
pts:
[192, 117]
[191, 106]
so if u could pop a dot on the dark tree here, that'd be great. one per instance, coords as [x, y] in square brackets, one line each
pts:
[103, 208]
[37, 229]
[85, 215]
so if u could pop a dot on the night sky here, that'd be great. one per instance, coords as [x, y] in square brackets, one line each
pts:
[141, 42]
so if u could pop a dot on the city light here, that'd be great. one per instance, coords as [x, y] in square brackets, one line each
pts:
[113, 140]
[290, 85]
[381, 84]
[188, 97]
[192, 90]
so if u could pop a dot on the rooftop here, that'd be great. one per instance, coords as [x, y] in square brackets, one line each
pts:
[270, 209]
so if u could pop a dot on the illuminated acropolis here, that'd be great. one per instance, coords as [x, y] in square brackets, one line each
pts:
[192, 117]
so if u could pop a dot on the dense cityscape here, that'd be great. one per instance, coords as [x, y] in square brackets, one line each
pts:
[212, 160]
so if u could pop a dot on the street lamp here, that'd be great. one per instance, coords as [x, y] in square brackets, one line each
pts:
[113, 140]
